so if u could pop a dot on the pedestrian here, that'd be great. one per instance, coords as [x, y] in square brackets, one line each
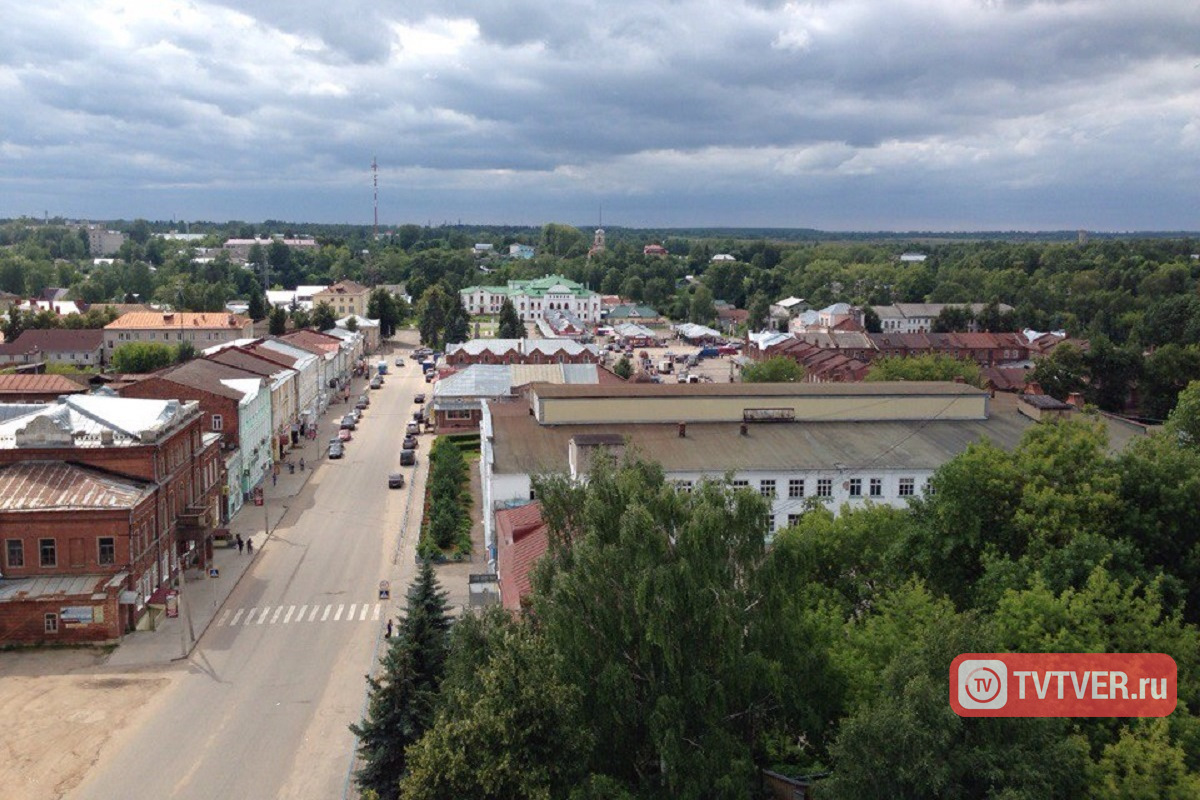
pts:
[274, 478]
[249, 546]
[302, 463]
[388, 635]
[240, 543]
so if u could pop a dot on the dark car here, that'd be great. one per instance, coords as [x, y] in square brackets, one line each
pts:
[419, 398]
[349, 422]
[396, 480]
[376, 383]
[410, 443]
[336, 450]
[364, 399]
[408, 458]
[360, 405]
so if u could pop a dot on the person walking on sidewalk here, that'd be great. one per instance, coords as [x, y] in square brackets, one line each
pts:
[240, 543]
[249, 546]
[302, 463]
[388, 635]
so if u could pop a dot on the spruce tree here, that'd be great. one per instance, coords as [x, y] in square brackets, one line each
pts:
[404, 696]
[511, 326]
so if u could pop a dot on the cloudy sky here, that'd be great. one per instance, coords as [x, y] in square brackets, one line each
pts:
[834, 114]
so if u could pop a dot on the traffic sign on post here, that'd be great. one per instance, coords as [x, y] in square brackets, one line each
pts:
[385, 590]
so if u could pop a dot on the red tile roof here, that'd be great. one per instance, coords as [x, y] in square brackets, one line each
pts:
[521, 539]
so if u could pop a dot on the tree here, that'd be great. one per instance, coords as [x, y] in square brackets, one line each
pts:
[138, 357]
[1144, 764]
[301, 318]
[403, 699]
[323, 317]
[658, 607]
[1184, 422]
[1167, 371]
[382, 306]
[431, 311]
[778, 369]
[258, 306]
[511, 326]
[1062, 372]
[1113, 371]
[953, 319]
[14, 323]
[623, 368]
[277, 321]
[515, 717]
[871, 320]
[702, 309]
[928, 367]
[352, 323]
[184, 351]
[760, 310]
[458, 321]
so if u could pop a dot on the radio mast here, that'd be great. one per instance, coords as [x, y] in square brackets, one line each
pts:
[375, 181]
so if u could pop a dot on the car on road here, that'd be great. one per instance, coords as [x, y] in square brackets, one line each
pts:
[348, 421]
[336, 449]
[344, 435]
[408, 458]
[410, 443]
[399, 362]
[376, 383]
[396, 480]
[419, 398]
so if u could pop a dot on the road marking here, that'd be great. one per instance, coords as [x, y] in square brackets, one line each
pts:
[274, 617]
[263, 616]
[338, 615]
[224, 616]
[313, 615]
[289, 615]
[350, 616]
[237, 616]
[325, 616]
[363, 616]
[375, 616]
[250, 615]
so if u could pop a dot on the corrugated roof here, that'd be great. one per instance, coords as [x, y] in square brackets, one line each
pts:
[84, 417]
[19, 589]
[59, 486]
[39, 384]
[61, 339]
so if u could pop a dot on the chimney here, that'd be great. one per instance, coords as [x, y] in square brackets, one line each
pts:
[1032, 387]
[1075, 399]
[682, 430]
[745, 429]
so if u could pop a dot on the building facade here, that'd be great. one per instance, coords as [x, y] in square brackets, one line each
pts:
[534, 297]
[345, 297]
[201, 330]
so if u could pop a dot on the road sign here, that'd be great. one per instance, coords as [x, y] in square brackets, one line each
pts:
[385, 590]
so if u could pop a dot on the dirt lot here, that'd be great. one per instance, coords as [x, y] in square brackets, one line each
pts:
[62, 711]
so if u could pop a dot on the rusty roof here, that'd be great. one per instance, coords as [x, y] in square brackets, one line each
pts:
[59, 339]
[39, 384]
[62, 486]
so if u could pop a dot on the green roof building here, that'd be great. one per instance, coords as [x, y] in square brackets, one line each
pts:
[534, 297]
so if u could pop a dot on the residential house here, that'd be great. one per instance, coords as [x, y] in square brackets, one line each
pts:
[787, 308]
[367, 328]
[36, 388]
[345, 297]
[201, 329]
[103, 501]
[632, 312]
[919, 317]
[239, 249]
[80, 348]
[285, 415]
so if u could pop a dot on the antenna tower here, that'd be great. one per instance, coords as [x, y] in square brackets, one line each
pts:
[375, 181]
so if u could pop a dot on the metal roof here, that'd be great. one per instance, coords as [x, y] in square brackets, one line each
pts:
[59, 486]
[682, 390]
[21, 589]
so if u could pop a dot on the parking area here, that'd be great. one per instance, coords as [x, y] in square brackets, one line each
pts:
[721, 368]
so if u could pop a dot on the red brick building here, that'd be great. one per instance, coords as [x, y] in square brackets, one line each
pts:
[103, 500]
[199, 380]
[521, 351]
[521, 539]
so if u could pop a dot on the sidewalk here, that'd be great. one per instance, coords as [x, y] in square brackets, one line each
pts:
[201, 596]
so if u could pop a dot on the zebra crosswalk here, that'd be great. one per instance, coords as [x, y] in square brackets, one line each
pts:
[299, 614]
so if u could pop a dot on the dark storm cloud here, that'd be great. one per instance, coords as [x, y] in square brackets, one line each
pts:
[871, 112]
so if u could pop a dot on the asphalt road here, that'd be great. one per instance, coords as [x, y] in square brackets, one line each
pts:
[273, 684]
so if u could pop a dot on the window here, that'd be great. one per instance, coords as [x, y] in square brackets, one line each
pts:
[796, 487]
[907, 487]
[683, 486]
[793, 520]
[51, 623]
[824, 487]
[856, 487]
[766, 488]
[108, 551]
[16, 553]
[217, 423]
[876, 487]
[49, 552]
[458, 413]
[739, 484]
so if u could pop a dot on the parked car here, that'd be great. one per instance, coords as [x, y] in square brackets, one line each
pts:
[410, 443]
[359, 405]
[412, 429]
[344, 434]
[336, 449]
[396, 480]
[349, 422]
[399, 362]
[376, 383]
[364, 398]
[408, 458]
[420, 398]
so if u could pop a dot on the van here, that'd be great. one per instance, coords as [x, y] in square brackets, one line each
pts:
[666, 365]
